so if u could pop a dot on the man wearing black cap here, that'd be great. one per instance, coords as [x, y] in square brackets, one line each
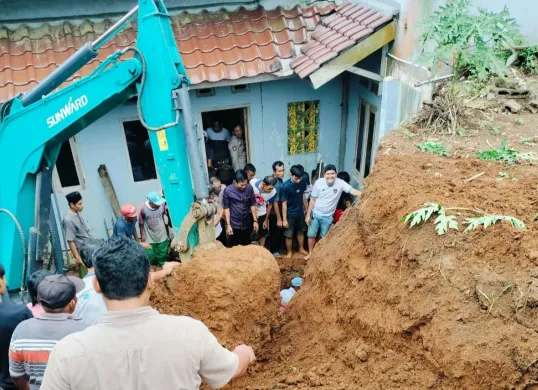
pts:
[34, 339]
[76, 229]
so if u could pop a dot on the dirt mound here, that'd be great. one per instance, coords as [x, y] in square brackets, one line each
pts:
[388, 307]
[234, 292]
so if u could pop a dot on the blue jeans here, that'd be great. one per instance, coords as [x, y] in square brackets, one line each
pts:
[319, 224]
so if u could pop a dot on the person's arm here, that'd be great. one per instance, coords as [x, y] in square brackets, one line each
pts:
[309, 210]
[285, 213]
[141, 226]
[74, 251]
[305, 204]
[218, 365]
[165, 271]
[229, 229]
[135, 233]
[355, 192]
[278, 216]
[254, 218]
[234, 154]
[21, 382]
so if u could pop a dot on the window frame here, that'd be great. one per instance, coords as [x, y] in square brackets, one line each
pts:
[128, 157]
[78, 168]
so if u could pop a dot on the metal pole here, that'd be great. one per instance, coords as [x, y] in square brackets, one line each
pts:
[196, 162]
[64, 240]
[114, 29]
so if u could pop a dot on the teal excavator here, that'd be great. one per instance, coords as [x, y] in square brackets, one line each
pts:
[34, 125]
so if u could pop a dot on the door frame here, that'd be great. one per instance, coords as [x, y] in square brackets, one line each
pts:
[369, 108]
[246, 118]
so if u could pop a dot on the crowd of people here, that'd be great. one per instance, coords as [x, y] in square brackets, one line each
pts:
[98, 331]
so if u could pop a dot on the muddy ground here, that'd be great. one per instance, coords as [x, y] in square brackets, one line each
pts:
[385, 306]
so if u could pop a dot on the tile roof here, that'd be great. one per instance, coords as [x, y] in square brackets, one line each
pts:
[223, 45]
[344, 28]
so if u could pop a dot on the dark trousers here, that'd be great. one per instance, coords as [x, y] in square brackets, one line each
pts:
[276, 234]
[240, 237]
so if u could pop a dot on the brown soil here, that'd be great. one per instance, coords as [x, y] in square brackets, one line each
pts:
[384, 306]
[234, 292]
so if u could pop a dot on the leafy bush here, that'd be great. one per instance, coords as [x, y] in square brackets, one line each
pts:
[471, 42]
[505, 154]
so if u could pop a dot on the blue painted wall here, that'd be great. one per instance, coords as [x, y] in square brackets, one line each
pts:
[104, 141]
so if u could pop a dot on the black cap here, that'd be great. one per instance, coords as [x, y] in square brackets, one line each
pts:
[56, 291]
[73, 197]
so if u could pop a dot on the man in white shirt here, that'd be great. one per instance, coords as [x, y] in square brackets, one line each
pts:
[323, 202]
[264, 194]
[217, 144]
[133, 346]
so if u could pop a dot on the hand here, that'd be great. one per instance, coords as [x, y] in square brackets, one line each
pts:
[256, 226]
[145, 245]
[229, 230]
[247, 350]
[285, 224]
[279, 223]
[265, 224]
[307, 219]
[168, 267]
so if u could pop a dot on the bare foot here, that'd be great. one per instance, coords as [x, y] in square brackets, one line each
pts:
[289, 254]
[307, 257]
[304, 252]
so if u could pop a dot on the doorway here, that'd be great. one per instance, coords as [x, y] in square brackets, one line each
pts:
[365, 143]
[229, 118]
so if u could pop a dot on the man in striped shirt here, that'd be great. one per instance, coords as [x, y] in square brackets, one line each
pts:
[34, 339]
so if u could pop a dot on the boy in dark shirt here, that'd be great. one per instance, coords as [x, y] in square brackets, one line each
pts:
[293, 209]
[345, 199]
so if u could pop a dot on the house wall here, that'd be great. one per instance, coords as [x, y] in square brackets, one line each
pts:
[103, 142]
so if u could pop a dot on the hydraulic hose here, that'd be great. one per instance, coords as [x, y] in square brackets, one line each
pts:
[139, 100]
[24, 246]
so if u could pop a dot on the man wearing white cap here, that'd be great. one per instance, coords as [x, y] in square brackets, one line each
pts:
[153, 228]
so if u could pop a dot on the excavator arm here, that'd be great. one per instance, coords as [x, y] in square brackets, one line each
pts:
[34, 126]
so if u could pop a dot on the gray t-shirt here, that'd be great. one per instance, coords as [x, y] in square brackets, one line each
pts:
[327, 196]
[140, 349]
[75, 228]
[153, 221]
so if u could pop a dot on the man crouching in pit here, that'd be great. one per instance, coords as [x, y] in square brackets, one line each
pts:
[133, 346]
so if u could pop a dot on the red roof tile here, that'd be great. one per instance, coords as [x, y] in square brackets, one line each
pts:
[215, 46]
[342, 29]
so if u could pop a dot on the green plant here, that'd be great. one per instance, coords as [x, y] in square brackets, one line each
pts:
[527, 141]
[472, 42]
[489, 220]
[443, 222]
[495, 130]
[526, 58]
[503, 154]
[535, 218]
[433, 147]
[519, 121]
[461, 130]
[484, 124]
[502, 175]
[409, 134]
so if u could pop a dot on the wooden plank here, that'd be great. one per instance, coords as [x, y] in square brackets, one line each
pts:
[350, 57]
[365, 73]
[109, 189]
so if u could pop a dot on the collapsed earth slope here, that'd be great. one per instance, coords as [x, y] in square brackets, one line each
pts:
[388, 307]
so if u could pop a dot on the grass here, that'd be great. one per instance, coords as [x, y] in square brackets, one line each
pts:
[505, 154]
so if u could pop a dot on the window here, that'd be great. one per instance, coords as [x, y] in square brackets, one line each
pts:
[203, 92]
[371, 136]
[140, 152]
[303, 127]
[360, 142]
[240, 88]
[68, 172]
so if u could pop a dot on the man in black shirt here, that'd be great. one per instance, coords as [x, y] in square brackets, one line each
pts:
[10, 316]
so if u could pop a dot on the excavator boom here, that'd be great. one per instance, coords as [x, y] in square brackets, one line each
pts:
[34, 126]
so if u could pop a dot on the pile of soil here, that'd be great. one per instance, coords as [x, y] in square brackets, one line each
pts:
[234, 292]
[385, 306]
